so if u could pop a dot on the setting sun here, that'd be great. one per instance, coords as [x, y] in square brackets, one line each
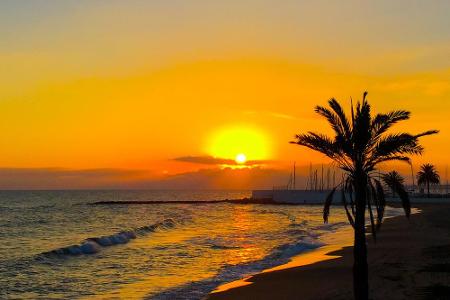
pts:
[233, 142]
[241, 158]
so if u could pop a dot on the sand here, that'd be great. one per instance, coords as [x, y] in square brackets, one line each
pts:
[410, 260]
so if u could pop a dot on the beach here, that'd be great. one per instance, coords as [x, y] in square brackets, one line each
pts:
[410, 260]
[59, 244]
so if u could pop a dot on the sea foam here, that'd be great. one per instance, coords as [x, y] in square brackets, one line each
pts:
[95, 244]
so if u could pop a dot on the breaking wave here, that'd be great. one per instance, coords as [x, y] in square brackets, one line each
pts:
[95, 244]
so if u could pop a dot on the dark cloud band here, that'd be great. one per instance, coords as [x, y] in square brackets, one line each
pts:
[210, 160]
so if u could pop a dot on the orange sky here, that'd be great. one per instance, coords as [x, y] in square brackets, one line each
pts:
[133, 87]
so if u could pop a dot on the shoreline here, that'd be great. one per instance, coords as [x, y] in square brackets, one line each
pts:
[396, 261]
[333, 242]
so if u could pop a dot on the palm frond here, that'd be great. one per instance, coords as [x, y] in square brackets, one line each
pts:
[348, 186]
[352, 112]
[339, 123]
[324, 145]
[318, 142]
[382, 122]
[349, 216]
[381, 203]
[332, 119]
[404, 197]
[394, 181]
[345, 124]
[369, 208]
[361, 126]
[371, 163]
[393, 178]
[396, 144]
[428, 174]
[429, 132]
[326, 207]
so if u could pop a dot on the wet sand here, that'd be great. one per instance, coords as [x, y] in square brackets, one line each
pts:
[410, 260]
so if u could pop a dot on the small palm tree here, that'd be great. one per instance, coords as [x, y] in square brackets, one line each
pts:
[395, 182]
[428, 175]
[358, 146]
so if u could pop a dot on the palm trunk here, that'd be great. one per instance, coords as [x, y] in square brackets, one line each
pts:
[360, 268]
[428, 188]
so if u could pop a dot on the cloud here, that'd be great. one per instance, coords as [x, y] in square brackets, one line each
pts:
[211, 178]
[227, 178]
[60, 178]
[210, 160]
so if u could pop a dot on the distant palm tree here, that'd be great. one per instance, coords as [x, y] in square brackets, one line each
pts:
[358, 146]
[395, 181]
[428, 175]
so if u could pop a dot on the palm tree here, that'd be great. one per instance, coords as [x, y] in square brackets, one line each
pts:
[395, 181]
[358, 146]
[428, 175]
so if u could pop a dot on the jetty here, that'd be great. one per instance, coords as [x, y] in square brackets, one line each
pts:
[199, 202]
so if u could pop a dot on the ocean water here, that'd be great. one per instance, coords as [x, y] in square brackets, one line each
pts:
[54, 244]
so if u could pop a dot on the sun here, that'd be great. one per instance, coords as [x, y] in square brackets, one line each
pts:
[241, 158]
[239, 143]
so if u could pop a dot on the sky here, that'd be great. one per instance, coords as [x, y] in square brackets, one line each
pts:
[165, 94]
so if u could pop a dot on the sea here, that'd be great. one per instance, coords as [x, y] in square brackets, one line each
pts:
[57, 245]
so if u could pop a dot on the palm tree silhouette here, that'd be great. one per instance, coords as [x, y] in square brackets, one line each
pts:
[359, 145]
[428, 175]
[395, 181]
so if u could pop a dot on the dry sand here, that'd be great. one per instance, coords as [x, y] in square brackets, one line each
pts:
[411, 260]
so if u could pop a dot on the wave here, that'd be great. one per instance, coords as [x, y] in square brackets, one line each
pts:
[306, 240]
[95, 244]
[228, 273]
[329, 226]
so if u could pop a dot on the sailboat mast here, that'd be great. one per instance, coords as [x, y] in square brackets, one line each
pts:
[315, 180]
[446, 179]
[328, 178]
[294, 175]
[321, 180]
[334, 177]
